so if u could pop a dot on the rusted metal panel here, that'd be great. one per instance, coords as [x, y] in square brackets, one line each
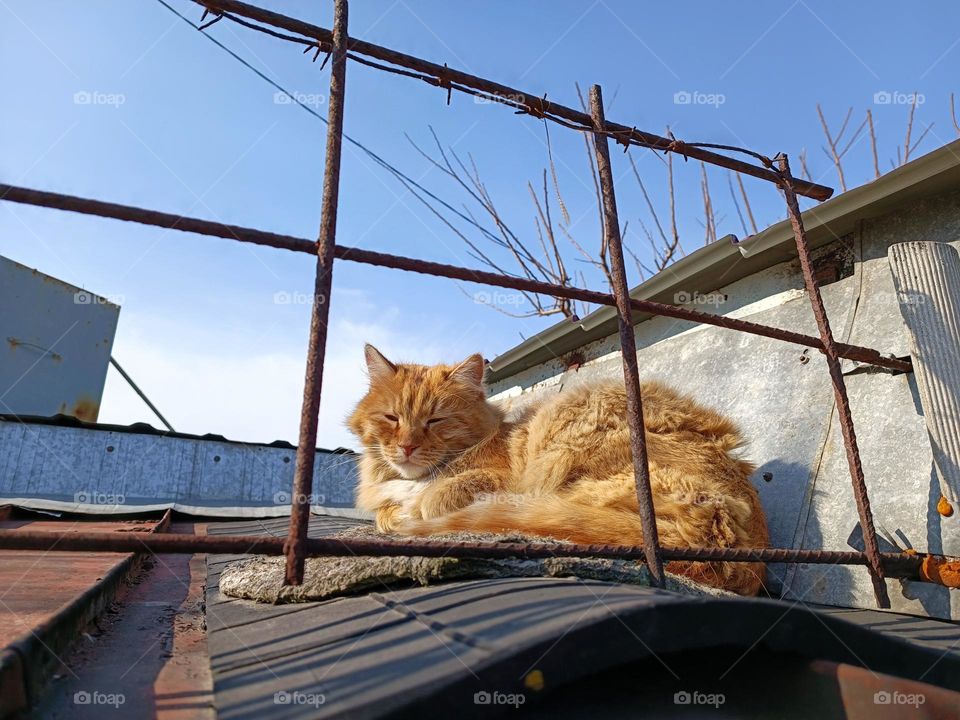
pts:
[56, 343]
[49, 597]
[149, 652]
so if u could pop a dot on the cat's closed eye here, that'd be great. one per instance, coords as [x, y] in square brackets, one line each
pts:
[391, 418]
[434, 421]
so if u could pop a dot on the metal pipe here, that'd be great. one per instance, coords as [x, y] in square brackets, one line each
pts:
[316, 348]
[839, 389]
[908, 566]
[170, 221]
[536, 105]
[628, 345]
[138, 391]
[100, 541]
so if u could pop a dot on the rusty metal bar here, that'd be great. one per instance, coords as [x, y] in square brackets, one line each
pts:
[316, 348]
[628, 345]
[58, 201]
[908, 566]
[538, 106]
[839, 389]
[99, 541]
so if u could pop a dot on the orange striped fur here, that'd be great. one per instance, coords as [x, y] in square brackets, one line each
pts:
[564, 470]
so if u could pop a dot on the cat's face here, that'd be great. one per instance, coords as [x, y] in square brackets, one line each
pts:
[417, 417]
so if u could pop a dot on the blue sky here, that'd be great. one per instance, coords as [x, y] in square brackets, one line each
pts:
[124, 102]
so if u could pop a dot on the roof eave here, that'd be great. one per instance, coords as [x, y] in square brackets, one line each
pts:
[722, 263]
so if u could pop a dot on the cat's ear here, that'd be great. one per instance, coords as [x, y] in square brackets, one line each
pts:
[378, 367]
[470, 371]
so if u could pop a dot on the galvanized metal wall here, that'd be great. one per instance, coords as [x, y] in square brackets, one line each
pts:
[781, 397]
[89, 470]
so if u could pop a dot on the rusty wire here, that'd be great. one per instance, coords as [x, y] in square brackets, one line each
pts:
[538, 106]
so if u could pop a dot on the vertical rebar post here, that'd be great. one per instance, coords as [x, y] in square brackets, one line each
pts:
[316, 348]
[839, 389]
[628, 345]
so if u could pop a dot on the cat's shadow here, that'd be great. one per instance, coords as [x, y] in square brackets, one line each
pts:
[786, 493]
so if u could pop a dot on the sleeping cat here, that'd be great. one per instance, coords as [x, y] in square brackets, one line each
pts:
[438, 458]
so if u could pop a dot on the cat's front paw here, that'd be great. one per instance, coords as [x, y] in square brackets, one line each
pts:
[389, 518]
[443, 498]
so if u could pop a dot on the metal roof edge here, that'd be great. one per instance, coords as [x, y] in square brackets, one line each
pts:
[765, 249]
[911, 175]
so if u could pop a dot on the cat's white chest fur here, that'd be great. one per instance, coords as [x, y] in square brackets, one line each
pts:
[403, 492]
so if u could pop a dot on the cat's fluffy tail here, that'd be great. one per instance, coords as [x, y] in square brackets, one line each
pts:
[561, 519]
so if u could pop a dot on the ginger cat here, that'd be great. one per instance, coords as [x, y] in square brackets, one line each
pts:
[439, 458]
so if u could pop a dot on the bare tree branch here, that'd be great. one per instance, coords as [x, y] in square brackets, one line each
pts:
[873, 145]
[953, 116]
[709, 221]
[835, 153]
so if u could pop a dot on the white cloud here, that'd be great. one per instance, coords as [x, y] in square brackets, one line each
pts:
[254, 397]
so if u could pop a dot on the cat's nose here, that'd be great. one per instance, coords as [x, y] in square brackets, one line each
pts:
[408, 449]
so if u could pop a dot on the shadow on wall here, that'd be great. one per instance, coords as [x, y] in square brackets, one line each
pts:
[799, 581]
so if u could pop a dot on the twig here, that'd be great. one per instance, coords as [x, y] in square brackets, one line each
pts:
[836, 154]
[873, 145]
[709, 220]
[953, 116]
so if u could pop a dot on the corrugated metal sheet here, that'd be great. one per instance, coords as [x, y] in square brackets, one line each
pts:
[56, 346]
[115, 469]
[927, 278]
[442, 651]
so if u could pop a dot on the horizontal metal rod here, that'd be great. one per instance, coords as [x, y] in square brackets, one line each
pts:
[335, 547]
[143, 216]
[538, 105]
